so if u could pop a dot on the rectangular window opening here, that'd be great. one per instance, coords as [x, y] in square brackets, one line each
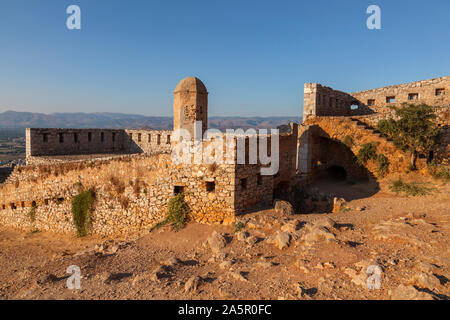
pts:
[440, 91]
[371, 102]
[390, 99]
[61, 138]
[244, 184]
[210, 186]
[413, 96]
[89, 136]
[45, 137]
[178, 189]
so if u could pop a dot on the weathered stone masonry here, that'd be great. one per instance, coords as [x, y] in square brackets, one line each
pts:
[362, 111]
[133, 174]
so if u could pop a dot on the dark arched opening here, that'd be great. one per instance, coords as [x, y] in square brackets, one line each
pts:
[337, 173]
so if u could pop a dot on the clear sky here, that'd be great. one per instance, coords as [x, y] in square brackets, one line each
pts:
[253, 56]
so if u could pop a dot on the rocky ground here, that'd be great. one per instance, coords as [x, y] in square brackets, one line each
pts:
[378, 239]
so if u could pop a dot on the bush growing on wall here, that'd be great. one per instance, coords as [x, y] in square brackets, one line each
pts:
[81, 211]
[177, 212]
[383, 165]
[367, 151]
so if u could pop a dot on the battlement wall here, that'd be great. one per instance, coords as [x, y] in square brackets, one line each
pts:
[434, 92]
[46, 142]
[320, 100]
[66, 142]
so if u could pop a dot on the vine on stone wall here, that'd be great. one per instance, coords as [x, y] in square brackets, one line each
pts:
[81, 211]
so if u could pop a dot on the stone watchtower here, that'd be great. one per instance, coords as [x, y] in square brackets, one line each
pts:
[190, 104]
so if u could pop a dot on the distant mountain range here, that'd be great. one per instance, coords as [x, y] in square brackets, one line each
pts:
[13, 119]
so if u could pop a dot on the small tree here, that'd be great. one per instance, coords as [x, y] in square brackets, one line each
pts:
[415, 130]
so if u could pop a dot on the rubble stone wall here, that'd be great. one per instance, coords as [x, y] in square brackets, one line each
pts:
[130, 193]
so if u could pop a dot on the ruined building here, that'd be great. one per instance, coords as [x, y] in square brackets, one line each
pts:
[134, 175]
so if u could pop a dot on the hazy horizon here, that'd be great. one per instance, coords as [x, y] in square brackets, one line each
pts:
[253, 56]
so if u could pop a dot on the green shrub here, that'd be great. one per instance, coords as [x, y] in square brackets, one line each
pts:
[32, 214]
[81, 211]
[238, 226]
[177, 212]
[438, 171]
[383, 165]
[415, 130]
[367, 151]
[409, 189]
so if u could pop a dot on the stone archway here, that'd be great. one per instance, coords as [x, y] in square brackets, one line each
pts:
[336, 172]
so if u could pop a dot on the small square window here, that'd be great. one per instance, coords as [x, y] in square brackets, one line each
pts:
[440, 91]
[210, 186]
[413, 96]
[371, 102]
[244, 184]
[390, 99]
[178, 189]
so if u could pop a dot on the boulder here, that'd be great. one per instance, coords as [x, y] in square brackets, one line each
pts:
[403, 292]
[283, 207]
[426, 280]
[216, 241]
[326, 222]
[291, 226]
[318, 233]
[281, 240]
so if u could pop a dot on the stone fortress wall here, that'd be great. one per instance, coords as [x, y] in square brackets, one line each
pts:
[433, 92]
[324, 101]
[133, 173]
[65, 142]
[371, 106]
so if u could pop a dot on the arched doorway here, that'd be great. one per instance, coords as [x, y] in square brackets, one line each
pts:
[337, 173]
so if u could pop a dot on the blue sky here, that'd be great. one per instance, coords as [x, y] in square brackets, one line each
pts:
[253, 56]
